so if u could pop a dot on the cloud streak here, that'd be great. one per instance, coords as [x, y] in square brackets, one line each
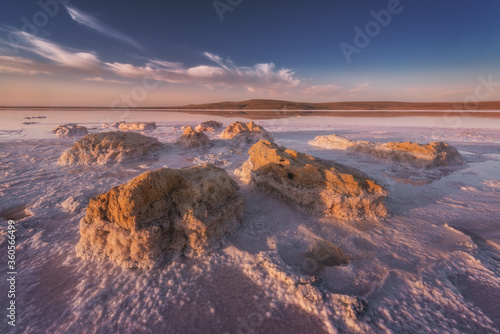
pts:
[100, 79]
[58, 55]
[216, 72]
[94, 24]
[224, 74]
[18, 65]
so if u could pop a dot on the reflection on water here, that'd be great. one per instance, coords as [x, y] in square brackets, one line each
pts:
[12, 120]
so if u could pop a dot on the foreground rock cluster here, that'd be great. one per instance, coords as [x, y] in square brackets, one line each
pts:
[246, 132]
[108, 147]
[322, 187]
[70, 130]
[435, 154]
[137, 224]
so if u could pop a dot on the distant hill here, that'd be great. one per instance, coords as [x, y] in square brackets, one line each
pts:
[368, 105]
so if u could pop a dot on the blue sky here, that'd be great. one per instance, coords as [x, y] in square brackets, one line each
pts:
[164, 53]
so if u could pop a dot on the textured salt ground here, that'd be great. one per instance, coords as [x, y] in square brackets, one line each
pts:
[432, 265]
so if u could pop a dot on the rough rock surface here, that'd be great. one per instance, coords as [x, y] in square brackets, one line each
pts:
[435, 154]
[134, 126]
[108, 147]
[320, 186]
[70, 130]
[250, 132]
[208, 126]
[114, 125]
[191, 139]
[137, 224]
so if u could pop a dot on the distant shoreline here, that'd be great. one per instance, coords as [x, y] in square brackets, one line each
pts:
[276, 114]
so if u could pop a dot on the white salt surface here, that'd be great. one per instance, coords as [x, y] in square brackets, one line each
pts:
[432, 266]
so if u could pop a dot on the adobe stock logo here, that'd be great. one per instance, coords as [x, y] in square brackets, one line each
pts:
[221, 7]
[372, 29]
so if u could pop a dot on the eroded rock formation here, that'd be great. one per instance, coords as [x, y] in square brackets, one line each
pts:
[70, 130]
[108, 147]
[248, 132]
[186, 210]
[191, 139]
[134, 126]
[435, 154]
[320, 186]
[208, 126]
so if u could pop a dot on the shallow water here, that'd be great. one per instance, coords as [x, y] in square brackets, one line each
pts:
[12, 120]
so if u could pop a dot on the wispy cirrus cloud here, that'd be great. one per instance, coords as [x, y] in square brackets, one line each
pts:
[216, 73]
[61, 55]
[58, 55]
[91, 22]
[260, 77]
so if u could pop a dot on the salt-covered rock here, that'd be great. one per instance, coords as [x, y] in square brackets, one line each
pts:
[70, 130]
[435, 154]
[320, 186]
[333, 142]
[108, 147]
[114, 125]
[134, 126]
[249, 132]
[208, 126]
[136, 224]
[191, 139]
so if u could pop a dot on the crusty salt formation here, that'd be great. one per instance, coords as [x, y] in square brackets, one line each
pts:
[249, 132]
[320, 186]
[435, 154]
[108, 147]
[132, 126]
[208, 126]
[70, 130]
[191, 139]
[136, 224]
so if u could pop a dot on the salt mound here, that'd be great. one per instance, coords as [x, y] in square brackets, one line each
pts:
[108, 147]
[250, 132]
[435, 154]
[186, 210]
[135, 126]
[70, 130]
[333, 142]
[320, 186]
[191, 139]
[208, 126]
[115, 125]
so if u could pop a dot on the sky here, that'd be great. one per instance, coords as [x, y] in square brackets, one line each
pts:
[168, 53]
